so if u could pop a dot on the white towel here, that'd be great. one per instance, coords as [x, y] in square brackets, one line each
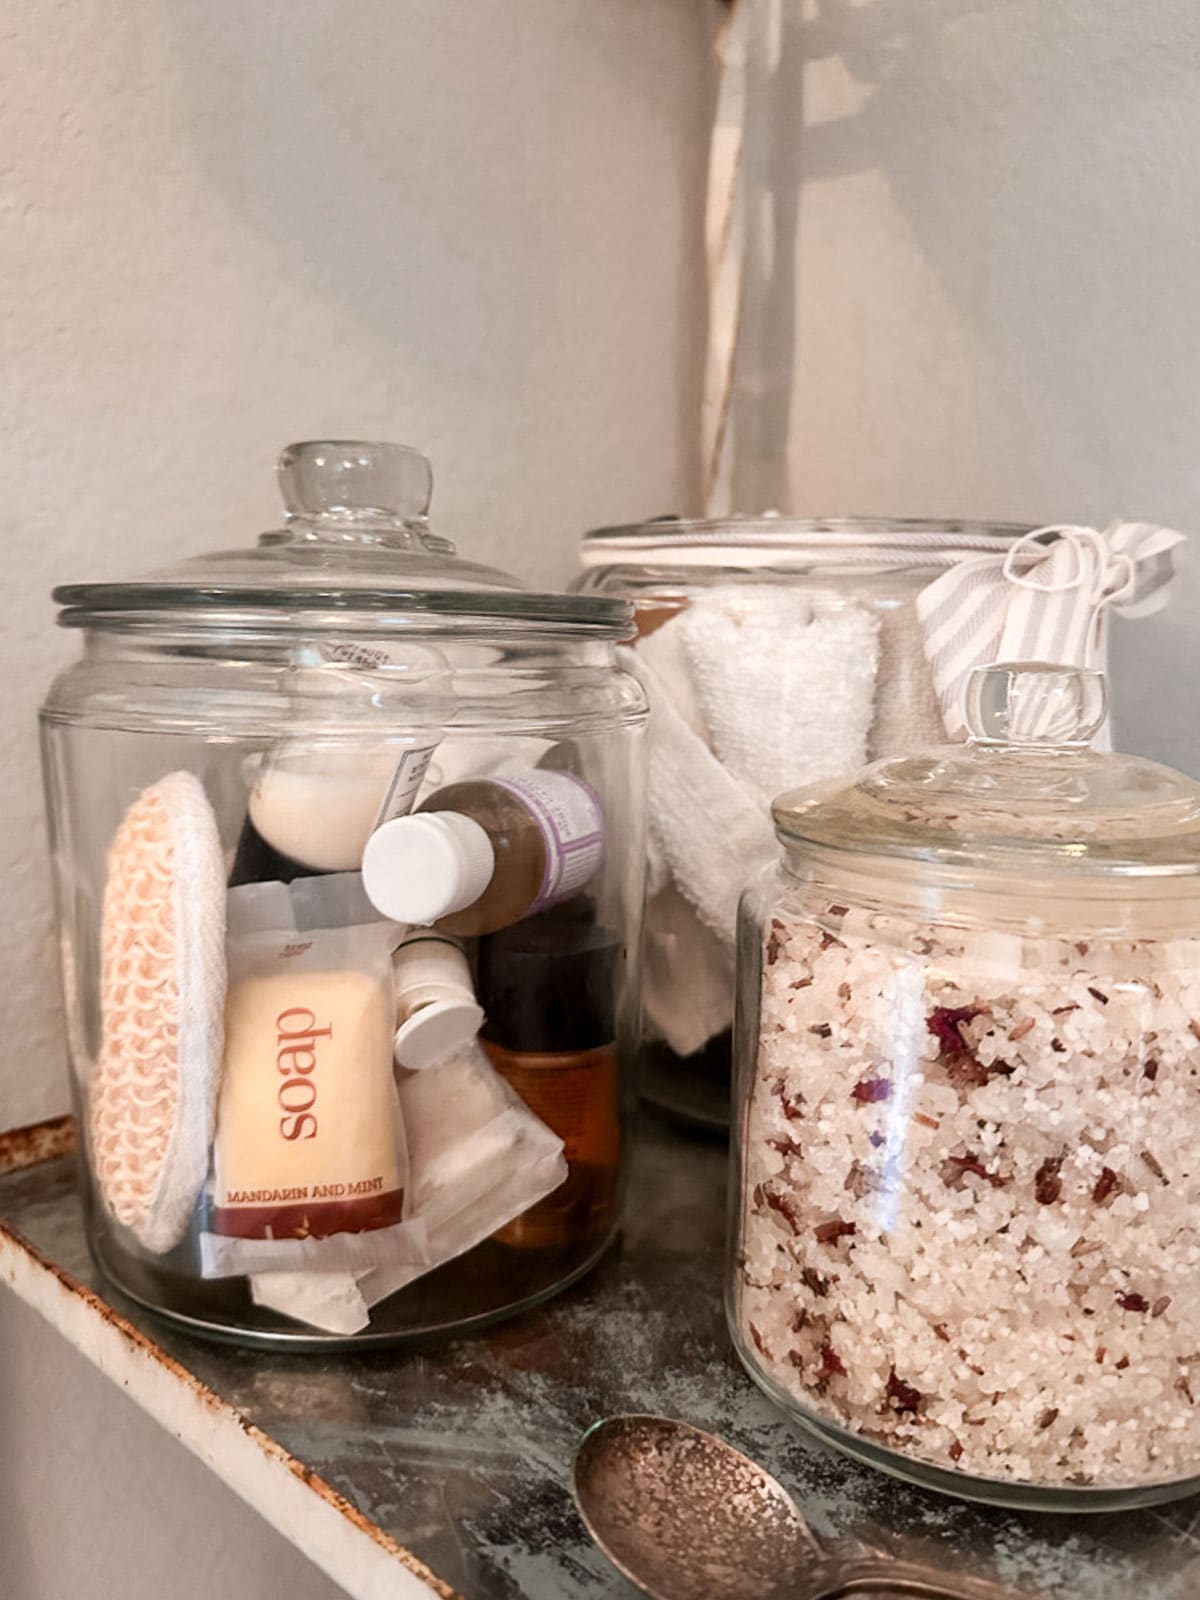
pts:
[781, 683]
[710, 833]
[785, 681]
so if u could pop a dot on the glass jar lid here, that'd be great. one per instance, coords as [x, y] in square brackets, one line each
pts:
[777, 541]
[1026, 794]
[356, 539]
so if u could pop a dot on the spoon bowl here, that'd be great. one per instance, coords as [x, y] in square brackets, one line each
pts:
[685, 1516]
[682, 1514]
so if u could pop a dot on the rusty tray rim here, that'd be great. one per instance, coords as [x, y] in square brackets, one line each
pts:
[205, 1424]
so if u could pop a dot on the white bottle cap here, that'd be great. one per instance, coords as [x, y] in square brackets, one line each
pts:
[420, 868]
[437, 1030]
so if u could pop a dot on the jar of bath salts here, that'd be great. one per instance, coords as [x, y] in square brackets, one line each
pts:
[331, 815]
[965, 1244]
[775, 651]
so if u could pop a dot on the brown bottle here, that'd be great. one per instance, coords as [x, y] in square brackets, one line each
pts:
[482, 854]
[548, 989]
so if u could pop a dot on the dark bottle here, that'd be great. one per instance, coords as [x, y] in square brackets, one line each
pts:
[548, 987]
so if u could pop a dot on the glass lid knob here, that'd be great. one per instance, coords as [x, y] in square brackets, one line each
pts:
[354, 480]
[1035, 705]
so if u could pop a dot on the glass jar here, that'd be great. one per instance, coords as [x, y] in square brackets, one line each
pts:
[290, 1133]
[785, 651]
[965, 1232]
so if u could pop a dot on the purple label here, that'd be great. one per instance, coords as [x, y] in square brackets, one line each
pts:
[571, 823]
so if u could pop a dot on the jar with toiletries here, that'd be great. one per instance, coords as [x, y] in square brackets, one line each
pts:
[331, 817]
[778, 651]
[963, 1214]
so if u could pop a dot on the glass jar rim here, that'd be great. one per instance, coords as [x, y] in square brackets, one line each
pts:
[742, 540]
[127, 606]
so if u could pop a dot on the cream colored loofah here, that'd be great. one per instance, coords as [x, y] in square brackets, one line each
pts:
[162, 998]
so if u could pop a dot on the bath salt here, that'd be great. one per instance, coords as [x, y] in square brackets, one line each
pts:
[970, 1194]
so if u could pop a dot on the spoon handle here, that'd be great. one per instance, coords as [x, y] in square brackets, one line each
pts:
[876, 1579]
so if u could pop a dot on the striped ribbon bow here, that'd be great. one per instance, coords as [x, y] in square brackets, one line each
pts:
[1047, 598]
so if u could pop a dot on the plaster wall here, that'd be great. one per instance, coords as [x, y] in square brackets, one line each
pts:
[472, 225]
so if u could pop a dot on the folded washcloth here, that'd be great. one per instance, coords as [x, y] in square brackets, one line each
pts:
[711, 834]
[785, 681]
[752, 690]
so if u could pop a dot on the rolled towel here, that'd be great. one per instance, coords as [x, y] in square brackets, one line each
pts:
[785, 682]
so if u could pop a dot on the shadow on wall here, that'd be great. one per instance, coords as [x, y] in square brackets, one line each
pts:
[426, 170]
[1014, 186]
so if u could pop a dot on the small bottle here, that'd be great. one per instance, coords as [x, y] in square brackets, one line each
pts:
[317, 796]
[548, 988]
[436, 1009]
[483, 854]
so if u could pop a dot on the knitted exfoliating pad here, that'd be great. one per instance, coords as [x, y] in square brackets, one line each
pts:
[162, 1001]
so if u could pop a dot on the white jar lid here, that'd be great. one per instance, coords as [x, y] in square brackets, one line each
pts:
[437, 1030]
[419, 868]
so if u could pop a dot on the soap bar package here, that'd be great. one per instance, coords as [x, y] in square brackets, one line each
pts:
[310, 1162]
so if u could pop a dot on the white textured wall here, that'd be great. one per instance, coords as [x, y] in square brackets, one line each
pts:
[985, 299]
[467, 224]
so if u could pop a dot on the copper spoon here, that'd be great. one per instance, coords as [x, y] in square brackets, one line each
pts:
[685, 1516]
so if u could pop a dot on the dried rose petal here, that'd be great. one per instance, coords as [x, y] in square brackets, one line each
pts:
[1047, 1184]
[955, 1168]
[955, 1450]
[830, 1232]
[1105, 1184]
[776, 1200]
[1133, 1302]
[905, 1396]
[812, 1279]
[831, 1362]
[792, 1104]
[868, 1091]
[759, 1343]
[786, 1147]
[943, 1022]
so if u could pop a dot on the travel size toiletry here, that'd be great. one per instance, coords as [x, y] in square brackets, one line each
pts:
[436, 1010]
[483, 854]
[480, 1158]
[310, 1149]
[315, 803]
[547, 987]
